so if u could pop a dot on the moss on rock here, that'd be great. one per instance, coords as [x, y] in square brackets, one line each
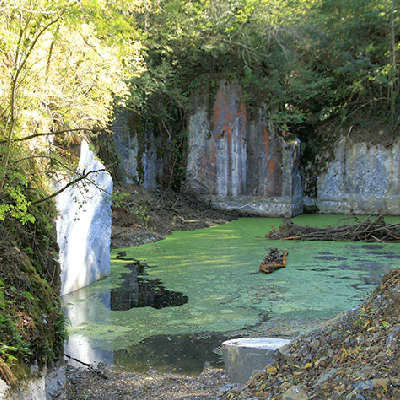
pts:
[31, 320]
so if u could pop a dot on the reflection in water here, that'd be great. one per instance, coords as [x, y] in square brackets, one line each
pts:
[139, 291]
[81, 348]
[78, 313]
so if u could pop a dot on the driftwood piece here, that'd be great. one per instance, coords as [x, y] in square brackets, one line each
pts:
[92, 367]
[275, 259]
[366, 230]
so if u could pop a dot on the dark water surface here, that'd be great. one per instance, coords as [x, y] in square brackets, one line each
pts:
[137, 290]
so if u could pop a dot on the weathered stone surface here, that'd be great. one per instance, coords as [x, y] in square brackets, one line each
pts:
[127, 145]
[84, 225]
[236, 160]
[244, 356]
[258, 206]
[41, 386]
[217, 149]
[56, 384]
[239, 162]
[140, 159]
[362, 179]
[3, 389]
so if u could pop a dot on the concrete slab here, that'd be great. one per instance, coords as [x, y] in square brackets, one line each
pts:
[245, 356]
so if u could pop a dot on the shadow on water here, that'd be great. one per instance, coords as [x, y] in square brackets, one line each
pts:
[187, 353]
[330, 258]
[137, 290]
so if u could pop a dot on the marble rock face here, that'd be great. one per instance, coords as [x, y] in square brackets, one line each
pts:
[141, 152]
[84, 224]
[46, 384]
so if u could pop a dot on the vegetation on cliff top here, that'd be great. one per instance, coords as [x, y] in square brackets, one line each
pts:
[66, 65]
[307, 60]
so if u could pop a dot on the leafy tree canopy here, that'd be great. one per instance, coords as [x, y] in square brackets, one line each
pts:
[62, 70]
[66, 64]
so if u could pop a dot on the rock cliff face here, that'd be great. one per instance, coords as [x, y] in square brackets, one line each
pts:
[84, 225]
[139, 151]
[237, 161]
[362, 179]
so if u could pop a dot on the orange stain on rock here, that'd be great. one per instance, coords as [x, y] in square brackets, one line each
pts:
[266, 140]
[272, 166]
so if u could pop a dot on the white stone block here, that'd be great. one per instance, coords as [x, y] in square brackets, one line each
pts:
[245, 356]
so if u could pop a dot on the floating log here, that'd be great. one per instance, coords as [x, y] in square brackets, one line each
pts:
[275, 259]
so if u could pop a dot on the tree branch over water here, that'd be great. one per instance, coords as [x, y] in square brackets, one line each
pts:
[69, 184]
[367, 230]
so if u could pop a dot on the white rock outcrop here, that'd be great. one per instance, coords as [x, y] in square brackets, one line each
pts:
[84, 224]
[244, 357]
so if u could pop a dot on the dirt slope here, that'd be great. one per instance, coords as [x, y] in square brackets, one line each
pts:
[149, 216]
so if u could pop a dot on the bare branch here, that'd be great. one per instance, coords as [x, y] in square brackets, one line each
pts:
[69, 184]
[63, 132]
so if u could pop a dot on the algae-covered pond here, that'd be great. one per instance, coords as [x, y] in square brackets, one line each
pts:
[211, 274]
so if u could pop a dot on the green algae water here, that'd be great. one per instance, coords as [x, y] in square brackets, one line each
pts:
[213, 273]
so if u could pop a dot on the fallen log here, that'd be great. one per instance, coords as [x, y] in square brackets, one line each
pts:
[367, 230]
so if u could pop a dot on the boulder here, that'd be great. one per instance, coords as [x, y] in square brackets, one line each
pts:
[245, 356]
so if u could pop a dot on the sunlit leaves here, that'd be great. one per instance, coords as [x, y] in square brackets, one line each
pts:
[18, 205]
[61, 69]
